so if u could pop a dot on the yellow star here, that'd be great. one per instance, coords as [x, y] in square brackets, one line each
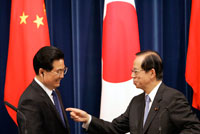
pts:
[23, 18]
[38, 21]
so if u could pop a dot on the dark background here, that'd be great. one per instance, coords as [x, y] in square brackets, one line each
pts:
[76, 28]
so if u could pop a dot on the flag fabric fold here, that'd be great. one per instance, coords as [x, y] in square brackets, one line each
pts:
[28, 33]
[193, 54]
[120, 44]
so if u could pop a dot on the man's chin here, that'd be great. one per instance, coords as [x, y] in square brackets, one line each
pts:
[57, 85]
[136, 85]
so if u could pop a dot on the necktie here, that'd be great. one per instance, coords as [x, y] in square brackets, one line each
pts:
[147, 101]
[57, 105]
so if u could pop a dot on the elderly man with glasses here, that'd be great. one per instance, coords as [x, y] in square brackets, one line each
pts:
[158, 110]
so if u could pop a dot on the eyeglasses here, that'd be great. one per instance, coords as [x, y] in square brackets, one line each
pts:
[60, 71]
[136, 72]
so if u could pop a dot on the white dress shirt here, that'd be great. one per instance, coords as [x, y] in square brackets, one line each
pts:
[152, 94]
[47, 90]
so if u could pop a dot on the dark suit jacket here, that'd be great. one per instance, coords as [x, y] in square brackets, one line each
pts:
[170, 113]
[41, 114]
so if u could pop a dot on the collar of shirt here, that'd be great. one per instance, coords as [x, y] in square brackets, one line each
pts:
[47, 90]
[152, 94]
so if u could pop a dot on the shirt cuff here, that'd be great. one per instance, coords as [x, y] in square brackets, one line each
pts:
[86, 125]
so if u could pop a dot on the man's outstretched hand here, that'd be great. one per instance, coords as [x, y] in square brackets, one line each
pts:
[78, 115]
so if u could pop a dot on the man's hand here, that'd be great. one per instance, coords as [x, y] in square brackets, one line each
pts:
[78, 115]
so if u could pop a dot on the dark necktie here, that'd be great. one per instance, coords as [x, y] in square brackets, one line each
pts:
[147, 101]
[58, 106]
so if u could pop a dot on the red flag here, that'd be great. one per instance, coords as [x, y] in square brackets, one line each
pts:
[193, 54]
[28, 33]
[120, 44]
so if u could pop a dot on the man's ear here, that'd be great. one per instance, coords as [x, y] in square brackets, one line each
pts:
[153, 72]
[41, 72]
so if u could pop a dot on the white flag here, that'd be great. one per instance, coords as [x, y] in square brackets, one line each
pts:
[120, 44]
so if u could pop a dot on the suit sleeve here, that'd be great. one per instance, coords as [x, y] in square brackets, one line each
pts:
[33, 122]
[182, 116]
[118, 125]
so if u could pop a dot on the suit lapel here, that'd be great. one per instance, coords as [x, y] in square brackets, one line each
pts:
[154, 108]
[141, 107]
[63, 109]
[53, 108]
[48, 101]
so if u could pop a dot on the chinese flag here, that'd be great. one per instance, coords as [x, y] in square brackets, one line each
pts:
[120, 44]
[193, 54]
[28, 33]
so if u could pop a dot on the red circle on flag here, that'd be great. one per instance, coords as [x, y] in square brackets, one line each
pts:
[120, 41]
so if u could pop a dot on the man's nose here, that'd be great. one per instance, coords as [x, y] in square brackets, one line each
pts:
[61, 75]
[133, 75]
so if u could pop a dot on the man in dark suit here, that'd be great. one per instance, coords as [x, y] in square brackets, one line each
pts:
[160, 109]
[41, 102]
